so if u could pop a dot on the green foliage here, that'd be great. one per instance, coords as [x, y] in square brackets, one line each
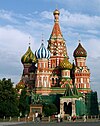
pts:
[36, 98]
[49, 109]
[24, 103]
[52, 99]
[8, 99]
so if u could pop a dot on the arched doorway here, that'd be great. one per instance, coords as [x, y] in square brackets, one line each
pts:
[68, 108]
[65, 107]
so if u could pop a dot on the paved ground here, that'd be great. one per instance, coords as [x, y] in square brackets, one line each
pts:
[51, 124]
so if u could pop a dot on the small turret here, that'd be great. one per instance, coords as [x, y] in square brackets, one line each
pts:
[65, 64]
[80, 51]
[42, 52]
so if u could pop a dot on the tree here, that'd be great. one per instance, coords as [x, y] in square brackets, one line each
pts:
[49, 109]
[24, 102]
[8, 99]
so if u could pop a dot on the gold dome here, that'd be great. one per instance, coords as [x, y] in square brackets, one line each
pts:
[56, 12]
[20, 85]
[65, 64]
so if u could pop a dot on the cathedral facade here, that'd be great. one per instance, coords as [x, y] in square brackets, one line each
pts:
[48, 70]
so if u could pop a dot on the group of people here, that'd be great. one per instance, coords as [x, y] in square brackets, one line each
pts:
[38, 116]
[69, 118]
[74, 118]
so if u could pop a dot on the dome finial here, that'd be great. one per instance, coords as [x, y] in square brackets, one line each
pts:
[79, 41]
[29, 41]
[42, 38]
[79, 38]
[56, 6]
[56, 15]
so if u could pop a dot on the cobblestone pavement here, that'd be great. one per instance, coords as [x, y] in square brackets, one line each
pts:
[50, 124]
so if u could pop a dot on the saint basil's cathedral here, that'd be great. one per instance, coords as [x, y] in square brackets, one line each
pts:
[48, 70]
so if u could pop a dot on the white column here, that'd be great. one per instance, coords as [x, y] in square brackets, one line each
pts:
[42, 81]
[73, 108]
[61, 109]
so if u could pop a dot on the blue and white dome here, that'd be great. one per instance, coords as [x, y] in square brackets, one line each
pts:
[42, 52]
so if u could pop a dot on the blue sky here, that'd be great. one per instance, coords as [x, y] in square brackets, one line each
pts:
[21, 19]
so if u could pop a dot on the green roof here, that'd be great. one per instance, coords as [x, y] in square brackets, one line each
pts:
[68, 91]
[75, 91]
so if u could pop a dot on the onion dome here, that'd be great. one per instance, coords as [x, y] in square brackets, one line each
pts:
[20, 85]
[56, 16]
[65, 64]
[56, 12]
[42, 52]
[28, 57]
[80, 51]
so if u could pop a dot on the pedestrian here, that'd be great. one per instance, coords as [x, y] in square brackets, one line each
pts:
[36, 116]
[74, 118]
[40, 116]
[33, 117]
[69, 118]
[59, 117]
[84, 118]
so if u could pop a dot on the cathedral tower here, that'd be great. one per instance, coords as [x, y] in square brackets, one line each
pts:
[29, 60]
[56, 43]
[82, 73]
[42, 83]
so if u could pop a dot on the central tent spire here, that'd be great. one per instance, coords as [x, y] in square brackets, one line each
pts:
[56, 32]
[56, 43]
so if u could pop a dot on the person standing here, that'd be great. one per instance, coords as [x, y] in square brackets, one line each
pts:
[36, 116]
[74, 118]
[59, 117]
[84, 118]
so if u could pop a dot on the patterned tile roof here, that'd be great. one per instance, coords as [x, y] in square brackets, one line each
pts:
[42, 52]
[28, 57]
[65, 64]
[80, 51]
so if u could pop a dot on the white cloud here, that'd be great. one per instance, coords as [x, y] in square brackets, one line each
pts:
[13, 44]
[93, 31]
[85, 6]
[7, 15]
[38, 25]
[94, 65]
[75, 19]
[93, 47]
[46, 14]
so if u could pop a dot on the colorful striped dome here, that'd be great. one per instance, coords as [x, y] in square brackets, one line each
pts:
[80, 51]
[28, 57]
[42, 52]
[65, 64]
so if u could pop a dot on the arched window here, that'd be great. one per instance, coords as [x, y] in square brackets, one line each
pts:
[52, 80]
[56, 80]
